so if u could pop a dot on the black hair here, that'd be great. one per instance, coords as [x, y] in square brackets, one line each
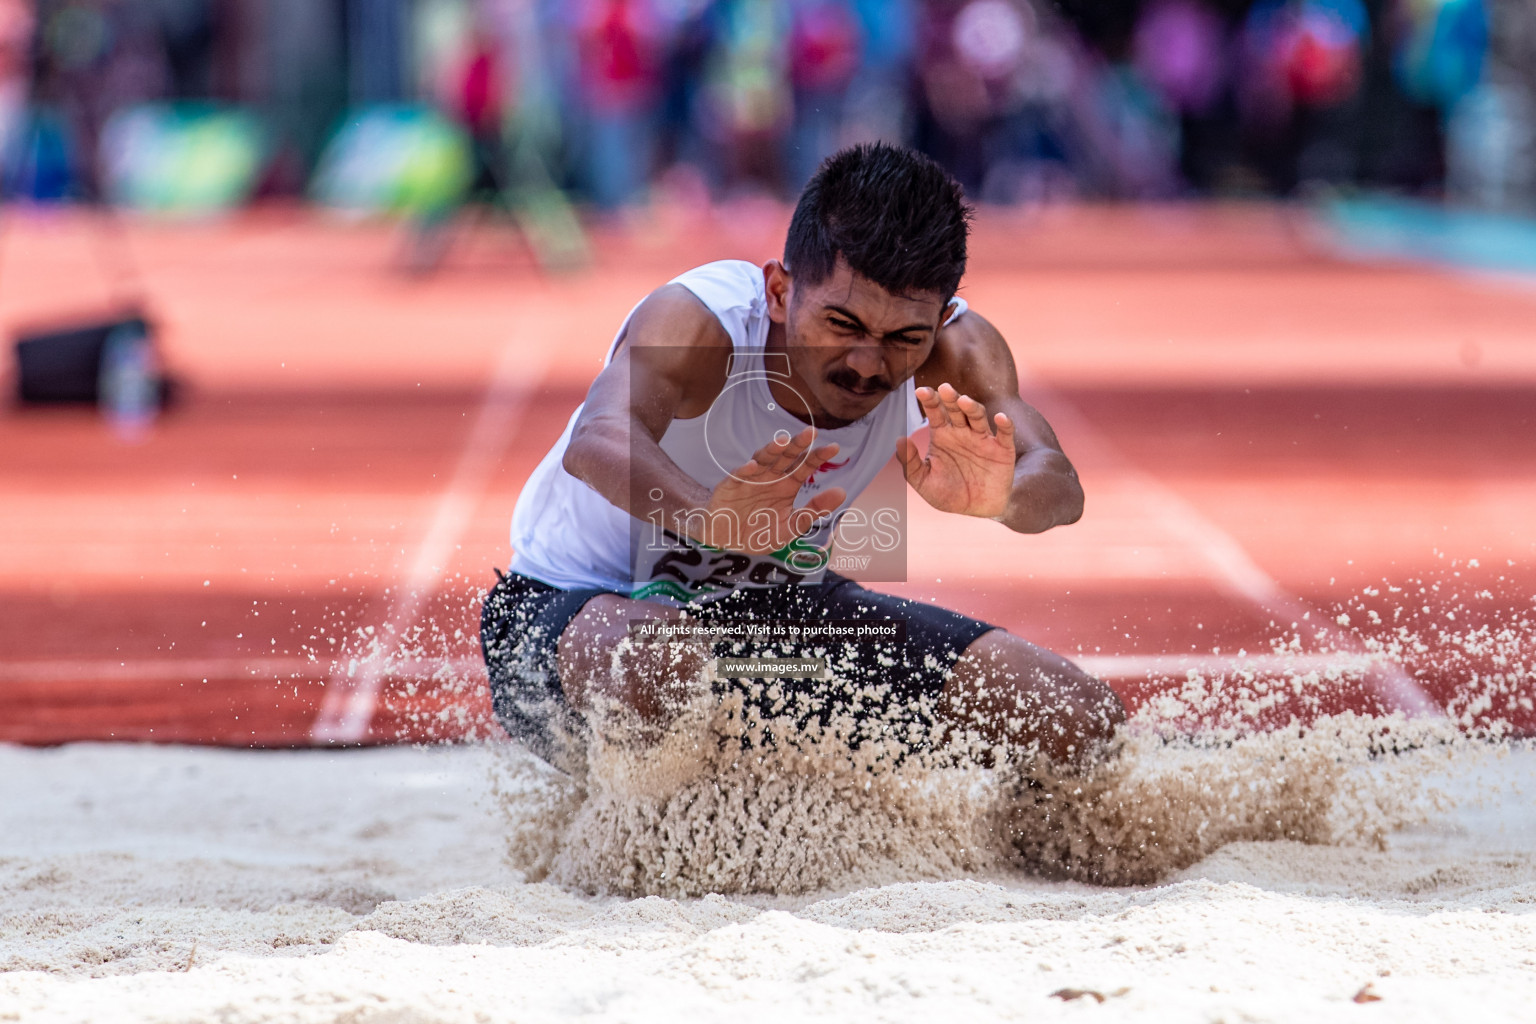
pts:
[897, 217]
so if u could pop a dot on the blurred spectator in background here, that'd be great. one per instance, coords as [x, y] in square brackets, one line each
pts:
[878, 105]
[1496, 126]
[748, 105]
[376, 42]
[297, 79]
[15, 78]
[1132, 135]
[824, 49]
[1304, 60]
[93, 56]
[1441, 61]
[1036, 145]
[618, 47]
[478, 92]
[1181, 50]
[968, 50]
[688, 40]
[521, 88]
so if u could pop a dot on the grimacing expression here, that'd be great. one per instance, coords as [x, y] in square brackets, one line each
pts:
[851, 342]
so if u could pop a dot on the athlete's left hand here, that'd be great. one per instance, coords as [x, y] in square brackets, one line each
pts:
[969, 468]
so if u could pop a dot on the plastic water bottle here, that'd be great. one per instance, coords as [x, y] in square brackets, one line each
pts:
[128, 386]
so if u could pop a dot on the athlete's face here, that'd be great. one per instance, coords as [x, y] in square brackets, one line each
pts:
[850, 342]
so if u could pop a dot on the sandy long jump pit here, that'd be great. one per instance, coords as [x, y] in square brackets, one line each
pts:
[1352, 870]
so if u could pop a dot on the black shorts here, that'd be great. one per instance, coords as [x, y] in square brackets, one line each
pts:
[886, 685]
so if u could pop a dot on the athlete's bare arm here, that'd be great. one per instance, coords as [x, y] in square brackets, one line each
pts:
[990, 452]
[672, 363]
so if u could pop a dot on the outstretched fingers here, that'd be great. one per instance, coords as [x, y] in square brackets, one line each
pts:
[783, 448]
[777, 459]
[946, 407]
[812, 462]
[1004, 424]
[975, 414]
[928, 399]
[949, 400]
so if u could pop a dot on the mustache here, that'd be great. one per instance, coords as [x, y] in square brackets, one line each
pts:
[843, 377]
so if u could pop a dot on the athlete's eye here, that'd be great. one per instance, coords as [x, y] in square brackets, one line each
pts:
[842, 325]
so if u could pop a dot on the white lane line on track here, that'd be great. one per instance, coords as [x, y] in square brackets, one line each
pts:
[1228, 562]
[351, 697]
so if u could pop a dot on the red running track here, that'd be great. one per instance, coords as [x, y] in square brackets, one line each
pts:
[1267, 434]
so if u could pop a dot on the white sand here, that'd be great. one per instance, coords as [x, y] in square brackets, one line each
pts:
[152, 883]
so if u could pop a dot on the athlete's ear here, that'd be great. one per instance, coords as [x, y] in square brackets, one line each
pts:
[949, 311]
[777, 281]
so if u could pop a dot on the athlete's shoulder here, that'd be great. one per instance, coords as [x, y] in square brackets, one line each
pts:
[740, 273]
[673, 316]
[731, 289]
[671, 342]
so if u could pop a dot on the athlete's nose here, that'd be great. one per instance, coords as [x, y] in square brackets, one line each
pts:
[865, 361]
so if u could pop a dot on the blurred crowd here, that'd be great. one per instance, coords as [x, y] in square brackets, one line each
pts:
[608, 100]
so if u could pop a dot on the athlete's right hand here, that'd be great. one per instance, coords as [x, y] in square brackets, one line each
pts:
[753, 509]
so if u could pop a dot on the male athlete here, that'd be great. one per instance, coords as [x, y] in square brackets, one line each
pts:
[740, 413]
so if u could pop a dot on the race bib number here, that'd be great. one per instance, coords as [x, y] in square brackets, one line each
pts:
[686, 571]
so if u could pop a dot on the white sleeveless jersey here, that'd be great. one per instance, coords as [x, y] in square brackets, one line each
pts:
[567, 535]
